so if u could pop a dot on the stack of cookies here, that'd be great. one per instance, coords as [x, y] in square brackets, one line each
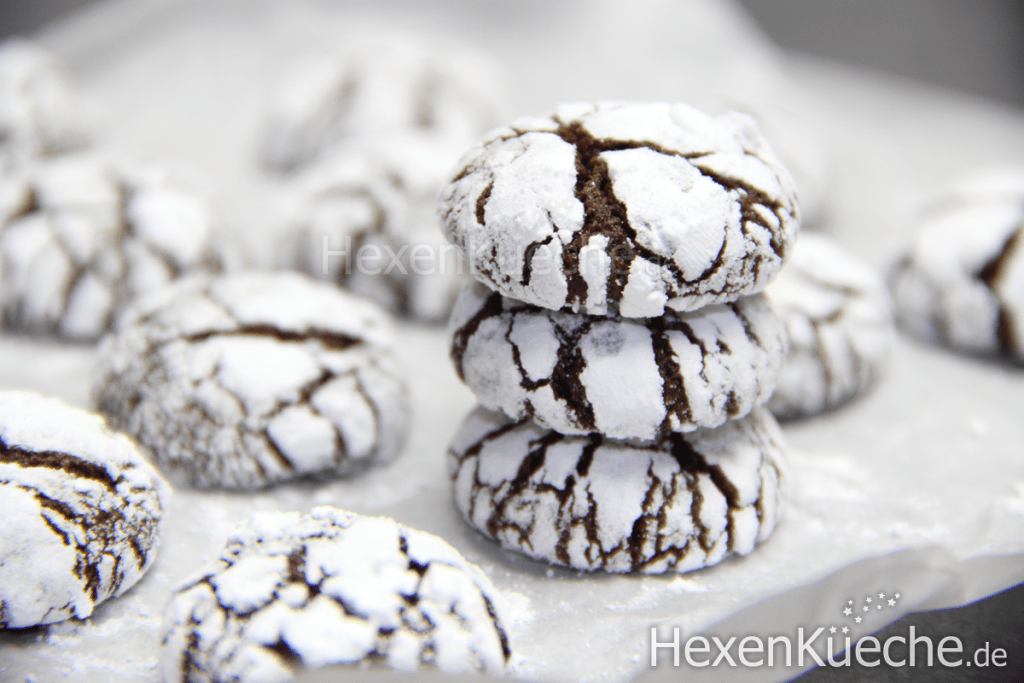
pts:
[617, 338]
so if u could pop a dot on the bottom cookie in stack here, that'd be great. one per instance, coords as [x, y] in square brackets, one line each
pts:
[677, 503]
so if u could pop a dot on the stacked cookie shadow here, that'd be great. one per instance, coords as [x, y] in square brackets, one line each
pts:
[617, 339]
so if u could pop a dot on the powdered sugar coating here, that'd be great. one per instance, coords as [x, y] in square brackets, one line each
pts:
[305, 591]
[623, 207]
[839, 320]
[40, 114]
[961, 282]
[680, 503]
[244, 380]
[625, 378]
[377, 87]
[80, 236]
[81, 511]
[365, 218]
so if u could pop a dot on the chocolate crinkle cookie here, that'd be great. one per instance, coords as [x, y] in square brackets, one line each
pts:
[40, 113]
[81, 511]
[244, 380]
[961, 282]
[839, 319]
[365, 218]
[378, 87]
[81, 235]
[627, 378]
[679, 503]
[626, 208]
[294, 592]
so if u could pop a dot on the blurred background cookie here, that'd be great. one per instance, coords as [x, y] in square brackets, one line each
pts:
[294, 592]
[81, 511]
[365, 218]
[82, 235]
[244, 380]
[40, 112]
[961, 281]
[838, 316]
[376, 87]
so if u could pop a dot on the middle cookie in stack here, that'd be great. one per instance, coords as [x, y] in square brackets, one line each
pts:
[625, 342]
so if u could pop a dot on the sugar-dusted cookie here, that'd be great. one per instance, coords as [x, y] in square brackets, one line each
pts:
[81, 235]
[244, 380]
[626, 378]
[295, 592]
[838, 316]
[81, 511]
[377, 87]
[40, 113]
[961, 282]
[365, 218]
[680, 503]
[623, 207]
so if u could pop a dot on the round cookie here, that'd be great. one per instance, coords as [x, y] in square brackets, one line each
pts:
[365, 219]
[244, 380]
[296, 592]
[838, 317]
[961, 282]
[80, 236]
[622, 377]
[627, 208]
[81, 511]
[680, 503]
[377, 87]
[40, 114]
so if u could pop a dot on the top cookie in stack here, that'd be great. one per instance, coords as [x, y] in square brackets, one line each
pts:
[626, 244]
[623, 208]
[621, 250]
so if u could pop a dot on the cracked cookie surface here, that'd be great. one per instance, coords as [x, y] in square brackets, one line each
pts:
[378, 87]
[305, 591]
[680, 503]
[623, 377]
[961, 282]
[243, 380]
[365, 218]
[623, 207]
[80, 236]
[81, 511]
[839, 320]
[40, 113]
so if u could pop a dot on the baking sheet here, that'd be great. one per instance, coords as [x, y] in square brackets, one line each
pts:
[917, 489]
